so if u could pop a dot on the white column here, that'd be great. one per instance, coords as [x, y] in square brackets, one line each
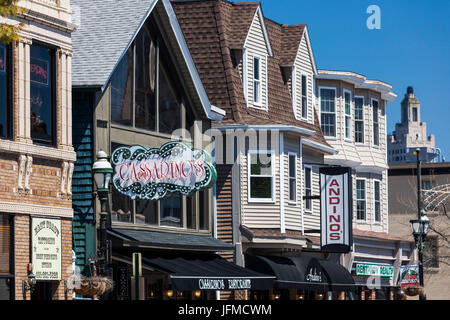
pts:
[63, 77]
[69, 99]
[27, 92]
[21, 89]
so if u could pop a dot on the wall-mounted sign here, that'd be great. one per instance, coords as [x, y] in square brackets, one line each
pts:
[39, 71]
[46, 248]
[150, 173]
[409, 276]
[336, 209]
[374, 269]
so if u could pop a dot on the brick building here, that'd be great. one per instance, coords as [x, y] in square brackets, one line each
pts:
[36, 153]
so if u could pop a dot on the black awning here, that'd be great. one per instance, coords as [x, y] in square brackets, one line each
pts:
[206, 272]
[302, 272]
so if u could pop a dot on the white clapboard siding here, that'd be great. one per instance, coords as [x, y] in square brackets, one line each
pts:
[260, 214]
[256, 45]
[311, 219]
[293, 211]
[304, 66]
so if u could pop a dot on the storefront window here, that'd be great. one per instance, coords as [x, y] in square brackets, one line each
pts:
[42, 94]
[146, 212]
[121, 94]
[171, 211]
[5, 91]
[6, 278]
[203, 210]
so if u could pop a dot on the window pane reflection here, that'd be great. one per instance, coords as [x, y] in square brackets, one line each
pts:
[41, 98]
[171, 213]
[121, 94]
[122, 207]
[169, 106]
[145, 81]
[3, 91]
[146, 212]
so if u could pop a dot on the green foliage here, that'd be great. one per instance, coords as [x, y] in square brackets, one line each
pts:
[9, 8]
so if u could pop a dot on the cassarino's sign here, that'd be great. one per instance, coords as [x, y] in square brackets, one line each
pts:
[335, 209]
[149, 173]
[46, 248]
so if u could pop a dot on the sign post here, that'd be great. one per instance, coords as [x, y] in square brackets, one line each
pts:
[336, 209]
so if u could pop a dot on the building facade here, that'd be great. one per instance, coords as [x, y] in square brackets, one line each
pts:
[147, 96]
[353, 118]
[411, 134]
[36, 153]
[435, 180]
[269, 145]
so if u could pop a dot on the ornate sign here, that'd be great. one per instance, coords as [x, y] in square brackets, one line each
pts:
[335, 209]
[46, 248]
[409, 276]
[151, 173]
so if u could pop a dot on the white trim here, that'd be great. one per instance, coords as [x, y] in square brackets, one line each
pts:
[320, 147]
[304, 186]
[301, 187]
[335, 109]
[379, 193]
[282, 213]
[311, 54]
[263, 27]
[245, 75]
[365, 199]
[363, 119]
[293, 129]
[351, 139]
[293, 202]
[260, 102]
[294, 91]
[372, 144]
[37, 151]
[36, 209]
[272, 176]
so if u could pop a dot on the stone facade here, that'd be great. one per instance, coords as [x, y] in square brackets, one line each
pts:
[37, 176]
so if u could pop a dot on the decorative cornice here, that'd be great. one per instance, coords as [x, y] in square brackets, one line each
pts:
[37, 151]
[35, 209]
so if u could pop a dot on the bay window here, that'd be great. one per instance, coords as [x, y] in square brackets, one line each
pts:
[292, 177]
[376, 135]
[359, 119]
[328, 111]
[308, 187]
[377, 200]
[360, 199]
[348, 114]
[5, 91]
[261, 176]
[42, 94]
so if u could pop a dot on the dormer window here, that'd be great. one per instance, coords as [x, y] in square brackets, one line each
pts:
[304, 97]
[257, 80]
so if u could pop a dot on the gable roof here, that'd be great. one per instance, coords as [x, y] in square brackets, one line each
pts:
[208, 29]
[291, 36]
[99, 47]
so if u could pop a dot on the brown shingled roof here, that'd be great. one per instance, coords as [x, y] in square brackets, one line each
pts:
[211, 29]
[379, 235]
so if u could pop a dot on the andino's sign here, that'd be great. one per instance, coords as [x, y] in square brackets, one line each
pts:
[149, 173]
[335, 209]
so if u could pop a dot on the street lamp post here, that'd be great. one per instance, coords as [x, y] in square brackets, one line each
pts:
[420, 230]
[102, 172]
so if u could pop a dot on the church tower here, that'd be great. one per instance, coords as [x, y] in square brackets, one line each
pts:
[410, 134]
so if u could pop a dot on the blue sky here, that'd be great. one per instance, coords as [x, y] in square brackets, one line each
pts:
[411, 48]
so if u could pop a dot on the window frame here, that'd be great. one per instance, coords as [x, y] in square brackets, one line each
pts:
[294, 90]
[375, 181]
[53, 90]
[365, 199]
[272, 176]
[290, 201]
[333, 137]
[309, 167]
[360, 120]
[347, 116]
[9, 90]
[375, 123]
[258, 58]
[304, 96]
